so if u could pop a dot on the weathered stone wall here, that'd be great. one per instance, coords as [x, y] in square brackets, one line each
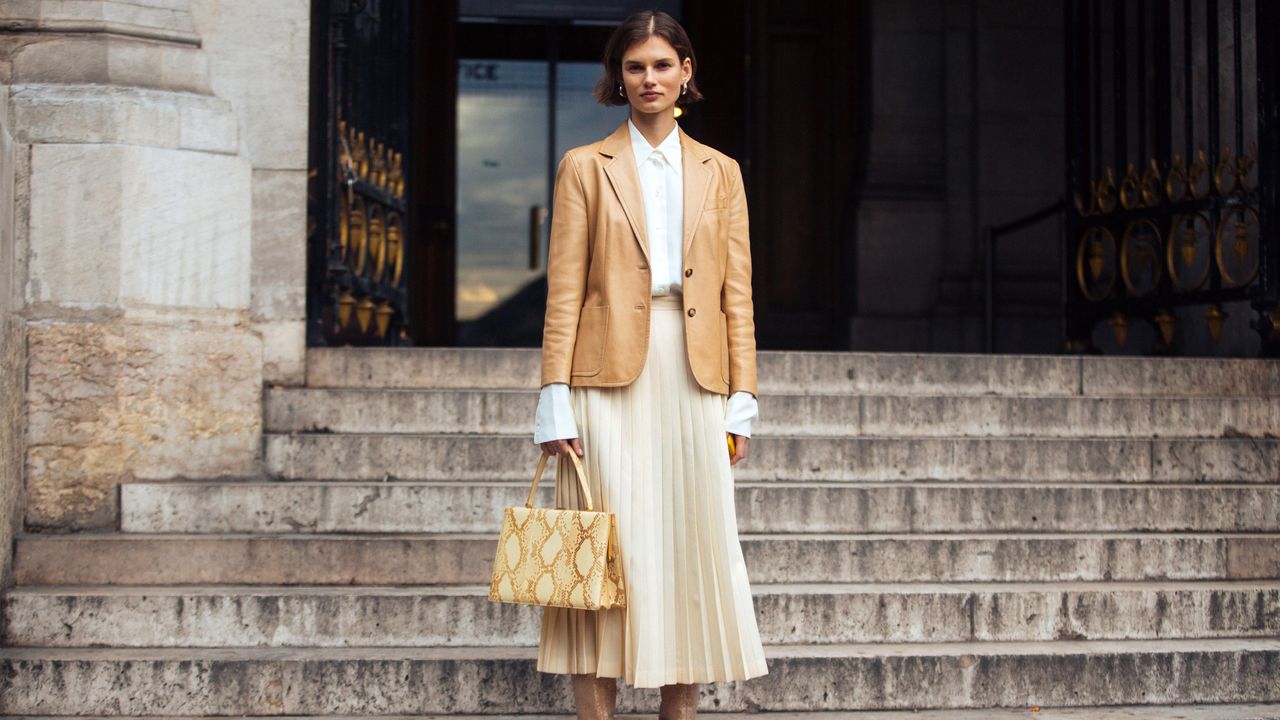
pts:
[134, 218]
[13, 357]
[121, 400]
[259, 59]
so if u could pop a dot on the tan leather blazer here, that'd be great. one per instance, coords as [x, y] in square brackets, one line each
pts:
[598, 280]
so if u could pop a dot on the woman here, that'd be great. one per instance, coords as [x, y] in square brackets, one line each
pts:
[649, 326]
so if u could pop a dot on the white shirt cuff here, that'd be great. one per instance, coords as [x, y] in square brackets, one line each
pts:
[741, 411]
[554, 417]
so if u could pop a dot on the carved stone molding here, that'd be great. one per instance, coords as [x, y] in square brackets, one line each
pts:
[145, 43]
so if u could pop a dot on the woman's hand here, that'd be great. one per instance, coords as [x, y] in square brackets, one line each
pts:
[740, 448]
[562, 447]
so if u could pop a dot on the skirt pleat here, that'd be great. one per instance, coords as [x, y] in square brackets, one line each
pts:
[655, 455]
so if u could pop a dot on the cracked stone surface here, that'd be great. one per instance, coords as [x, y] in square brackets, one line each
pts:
[115, 401]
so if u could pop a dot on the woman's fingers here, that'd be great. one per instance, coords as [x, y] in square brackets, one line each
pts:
[562, 447]
[740, 448]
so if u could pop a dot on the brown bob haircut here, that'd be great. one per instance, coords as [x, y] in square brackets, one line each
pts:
[638, 28]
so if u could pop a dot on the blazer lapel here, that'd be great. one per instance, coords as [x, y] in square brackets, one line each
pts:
[624, 177]
[697, 180]
[622, 174]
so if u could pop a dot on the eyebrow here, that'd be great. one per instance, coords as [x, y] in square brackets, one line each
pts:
[637, 62]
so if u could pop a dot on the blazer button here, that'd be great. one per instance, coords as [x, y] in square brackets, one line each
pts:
[692, 312]
[688, 272]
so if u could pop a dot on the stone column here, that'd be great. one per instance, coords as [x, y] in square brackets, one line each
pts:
[259, 59]
[132, 248]
[13, 357]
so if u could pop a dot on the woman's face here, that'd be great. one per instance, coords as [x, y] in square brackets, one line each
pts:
[652, 75]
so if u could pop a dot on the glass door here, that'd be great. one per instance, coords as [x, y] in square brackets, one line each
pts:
[503, 116]
[524, 98]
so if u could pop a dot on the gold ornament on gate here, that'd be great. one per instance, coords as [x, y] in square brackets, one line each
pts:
[364, 313]
[1176, 186]
[1189, 247]
[358, 220]
[1223, 170]
[396, 180]
[1232, 177]
[1097, 258]
[1096, 263]
[1239, 228]
[1244, 165]
[1140, 256]
[1166, 323]
[382, 316]
[380, 169]
[1149, 186]
[1198, 171]
[1129, 198]
[377, 242]
[1120, 328]
[395, 248]
[1272, 319]
[1104, 192]
[1214, 317]
[345, 304]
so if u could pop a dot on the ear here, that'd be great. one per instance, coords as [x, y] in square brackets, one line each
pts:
[686, 68]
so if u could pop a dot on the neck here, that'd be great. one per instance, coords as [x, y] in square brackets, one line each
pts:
[654, 126]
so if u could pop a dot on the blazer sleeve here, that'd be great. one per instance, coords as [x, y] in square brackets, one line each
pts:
[567, 262]
[735, 296]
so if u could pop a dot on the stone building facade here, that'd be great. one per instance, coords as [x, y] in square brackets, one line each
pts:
[153, 222]
[152, 205]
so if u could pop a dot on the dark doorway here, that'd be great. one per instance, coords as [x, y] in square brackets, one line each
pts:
[497, 91]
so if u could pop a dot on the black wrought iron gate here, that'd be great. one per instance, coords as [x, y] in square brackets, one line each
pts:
[357, 210]
[1172, 119]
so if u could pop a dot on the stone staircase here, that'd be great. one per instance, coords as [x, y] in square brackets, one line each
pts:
[969, 535]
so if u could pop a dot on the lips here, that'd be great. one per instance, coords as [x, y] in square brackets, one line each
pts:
[649, 96]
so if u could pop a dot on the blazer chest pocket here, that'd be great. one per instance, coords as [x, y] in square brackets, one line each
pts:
[588, 349]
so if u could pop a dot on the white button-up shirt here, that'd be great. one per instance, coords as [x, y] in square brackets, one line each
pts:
[663, 189]
[661, 182]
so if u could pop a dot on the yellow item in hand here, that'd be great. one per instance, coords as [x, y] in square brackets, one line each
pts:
[732, 448]
[558, 557]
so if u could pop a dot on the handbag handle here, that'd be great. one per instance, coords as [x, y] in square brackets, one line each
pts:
[582, 478]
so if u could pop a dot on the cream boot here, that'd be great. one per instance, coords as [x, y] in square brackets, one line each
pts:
[679, 702]
[594, 697]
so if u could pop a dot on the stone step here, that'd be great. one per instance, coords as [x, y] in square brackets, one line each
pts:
[293, 559]
[1253, 711]
[453, 507]
[830, 372]
[260, 681]
[320, 456]
[819, 614]
[512, 412]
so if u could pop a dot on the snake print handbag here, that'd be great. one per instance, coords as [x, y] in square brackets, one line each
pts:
[558, 557]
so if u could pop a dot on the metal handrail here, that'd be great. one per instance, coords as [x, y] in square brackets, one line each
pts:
[991, 233]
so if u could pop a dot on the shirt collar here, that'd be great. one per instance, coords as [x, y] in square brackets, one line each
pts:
[670, 146]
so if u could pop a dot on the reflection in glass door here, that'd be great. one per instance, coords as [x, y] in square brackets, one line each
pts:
[502, 179]
[516, 118]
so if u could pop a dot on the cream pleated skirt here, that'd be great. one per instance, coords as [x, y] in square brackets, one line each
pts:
[655, 455]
